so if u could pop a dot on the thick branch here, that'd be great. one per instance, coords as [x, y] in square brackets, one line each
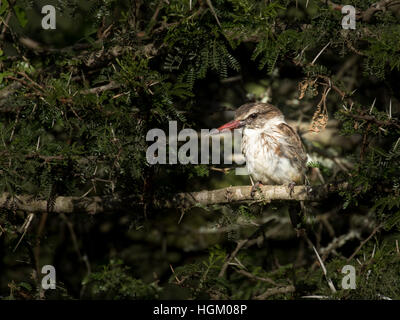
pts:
[94, 205]
[274, 291]
[242, 194]
[66, 205]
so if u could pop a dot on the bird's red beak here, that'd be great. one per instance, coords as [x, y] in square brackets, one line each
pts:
[231, 125]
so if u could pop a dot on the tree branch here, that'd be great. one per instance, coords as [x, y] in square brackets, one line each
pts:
[274, 291]
[66, 205]
[388, 123]
[109, 86]
[96, 204]
[367, 14]
[242, 194]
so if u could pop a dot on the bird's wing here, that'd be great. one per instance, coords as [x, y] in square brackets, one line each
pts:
[295, 151]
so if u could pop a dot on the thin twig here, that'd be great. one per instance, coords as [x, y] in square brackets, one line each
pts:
[274, 291]
[254, 277]
[376, 229]
[239, 245]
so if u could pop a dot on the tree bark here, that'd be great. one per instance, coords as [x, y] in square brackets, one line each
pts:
[94, 205]
[242, 194]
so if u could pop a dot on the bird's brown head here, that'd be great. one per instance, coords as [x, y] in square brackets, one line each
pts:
[254, 116]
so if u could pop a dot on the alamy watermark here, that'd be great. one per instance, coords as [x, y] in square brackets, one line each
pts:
[49, 280]
[196, 147]
[349, 280]
[49, 20]
[349, 20]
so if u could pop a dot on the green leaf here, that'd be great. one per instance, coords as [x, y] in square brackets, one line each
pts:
[3, 75]
[26, 285]
[21, 16]
[3, 7]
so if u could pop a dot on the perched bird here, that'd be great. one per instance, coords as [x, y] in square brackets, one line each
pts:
[273, 150]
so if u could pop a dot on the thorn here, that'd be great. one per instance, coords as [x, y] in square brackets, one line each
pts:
[373, 104]
[395, 147]
[182, 214]
[330, 283]
[383, 297]
[315, 59]
[24, 228]
[213, 12]
[302, 51]
[390, 109]
[176, 277]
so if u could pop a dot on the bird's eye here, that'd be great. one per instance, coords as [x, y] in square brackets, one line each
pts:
[253, 116]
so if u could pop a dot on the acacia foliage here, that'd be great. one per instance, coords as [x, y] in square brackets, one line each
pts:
[74, 116]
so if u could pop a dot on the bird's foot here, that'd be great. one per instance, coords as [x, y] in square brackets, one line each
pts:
[291, 188]
[255, 188]
[307, 185]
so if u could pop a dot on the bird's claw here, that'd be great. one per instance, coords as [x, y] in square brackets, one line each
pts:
[291, 188]
[255, 188]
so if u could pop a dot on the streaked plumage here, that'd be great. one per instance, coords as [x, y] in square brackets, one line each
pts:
[273, 150]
